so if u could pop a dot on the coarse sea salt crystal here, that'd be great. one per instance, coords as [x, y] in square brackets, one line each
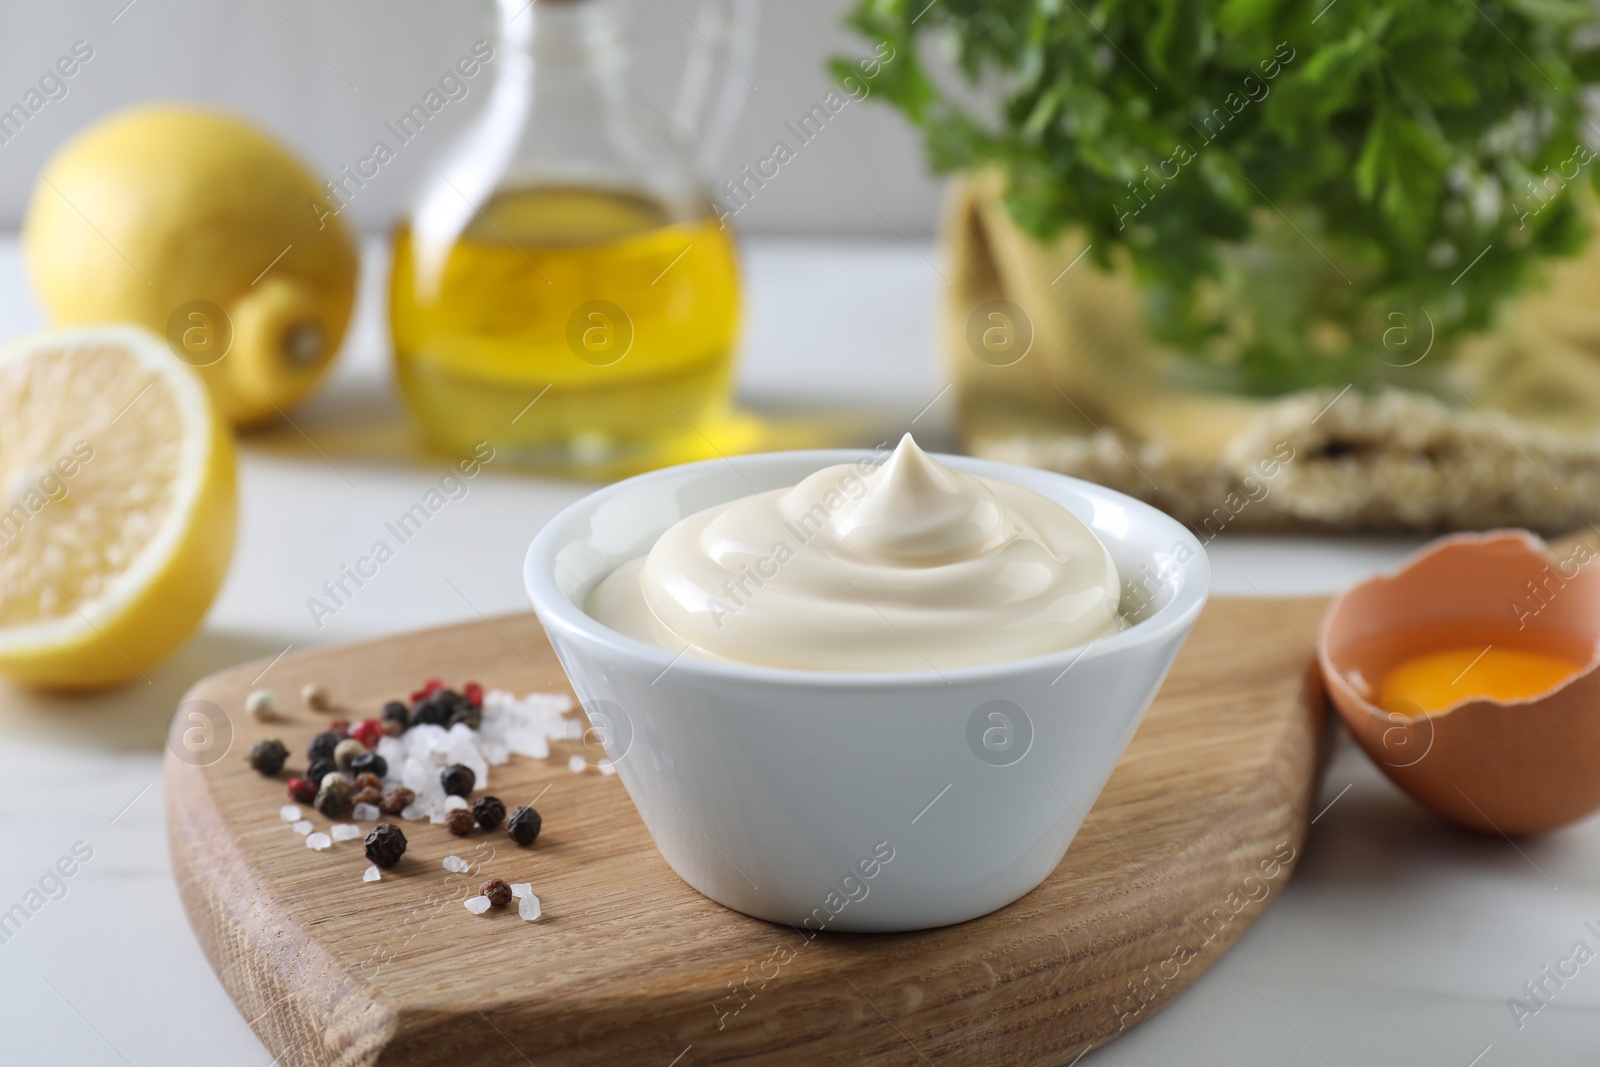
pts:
[345, 831]
[521, 889]
[455, 864]
[451, 803]
[477, 905]
[289, 812]
[437, 818]
[607, 767]
[413, 812]
[425, 737]
[365, 813]
[525, 726]
[372, 874]
[530, 743]
[319, 841]
[528, 907]
[415, 774]
[303, 827]
[576, 764]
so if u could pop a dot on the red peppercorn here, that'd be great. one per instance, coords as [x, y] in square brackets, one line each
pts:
[302, 790]
[431, 686]
[368, 731]
[474, 694]
[340, 727]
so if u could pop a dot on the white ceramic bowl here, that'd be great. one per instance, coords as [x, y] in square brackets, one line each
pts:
[853, 800]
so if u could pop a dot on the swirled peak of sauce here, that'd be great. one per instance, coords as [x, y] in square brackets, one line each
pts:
[903, 566]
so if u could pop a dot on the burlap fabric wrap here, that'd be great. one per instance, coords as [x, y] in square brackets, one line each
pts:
[1511, 436]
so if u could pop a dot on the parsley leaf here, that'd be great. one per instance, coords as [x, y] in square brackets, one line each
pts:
[1313, 165]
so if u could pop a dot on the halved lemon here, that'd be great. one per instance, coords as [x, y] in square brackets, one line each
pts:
[117, 505]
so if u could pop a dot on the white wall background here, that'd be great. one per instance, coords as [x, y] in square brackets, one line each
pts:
[324, 75]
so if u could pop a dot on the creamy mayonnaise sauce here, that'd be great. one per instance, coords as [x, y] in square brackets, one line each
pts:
[904, 566]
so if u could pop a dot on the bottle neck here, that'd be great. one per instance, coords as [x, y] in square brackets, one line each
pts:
[564, 85]
[565, 34]
[559, 113]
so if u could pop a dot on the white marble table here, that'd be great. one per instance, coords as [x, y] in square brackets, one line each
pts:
[1399, 941]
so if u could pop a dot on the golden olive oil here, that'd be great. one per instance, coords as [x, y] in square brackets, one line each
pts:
[578, 330]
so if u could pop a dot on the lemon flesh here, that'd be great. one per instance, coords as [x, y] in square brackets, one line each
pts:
[117, 505]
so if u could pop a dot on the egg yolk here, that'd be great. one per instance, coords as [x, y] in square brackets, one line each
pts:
[1437, 680]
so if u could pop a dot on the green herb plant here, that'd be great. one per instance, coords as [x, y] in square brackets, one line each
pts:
[1292, 183]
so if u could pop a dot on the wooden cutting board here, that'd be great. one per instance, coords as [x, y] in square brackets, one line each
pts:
[1196, 832]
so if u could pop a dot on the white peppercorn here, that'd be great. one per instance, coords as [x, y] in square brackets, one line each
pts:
[261, 705]
[345, 752]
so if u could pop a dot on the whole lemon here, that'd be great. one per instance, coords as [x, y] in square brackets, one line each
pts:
[203, 228]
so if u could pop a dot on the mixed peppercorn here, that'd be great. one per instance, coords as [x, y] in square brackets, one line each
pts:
[343, 770]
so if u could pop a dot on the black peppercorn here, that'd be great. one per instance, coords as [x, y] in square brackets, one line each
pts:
[524, 826]
[489, 812]
[460, 822]
[468, 714]
[498, 892]
[458, 779]
[432, 710]
[394, 711]
[322, 745]
[385, 845]
[321, 767]
[452, 706]
[268, 756]
[370, 763]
